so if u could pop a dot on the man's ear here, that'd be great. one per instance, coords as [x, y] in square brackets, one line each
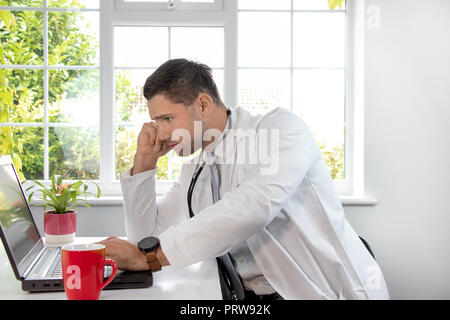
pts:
[204, 105]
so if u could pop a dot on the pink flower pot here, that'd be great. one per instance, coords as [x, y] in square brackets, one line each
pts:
[60, 228]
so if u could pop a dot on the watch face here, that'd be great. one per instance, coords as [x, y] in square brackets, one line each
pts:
[148, 244]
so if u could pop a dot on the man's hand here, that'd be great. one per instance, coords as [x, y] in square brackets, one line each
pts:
[149, 148]
[126, 255]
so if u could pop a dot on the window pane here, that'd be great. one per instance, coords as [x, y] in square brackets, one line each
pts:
[314, 5]
[319, 39]
[28, 95]
[319, 98]
[263, 90]
[141, 46]
[202, 44]
[263, 44]
[23, 3]
[74, 96]
[32, 142]
[131, 106]
[73, 38]
[23, 42]
[126, 139]
[90, 4]
[264, 4]
[75, 152]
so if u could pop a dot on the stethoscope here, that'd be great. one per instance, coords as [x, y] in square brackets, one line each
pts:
[199, 169]
[230, 277]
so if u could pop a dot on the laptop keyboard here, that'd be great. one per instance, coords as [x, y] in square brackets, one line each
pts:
[55, 270]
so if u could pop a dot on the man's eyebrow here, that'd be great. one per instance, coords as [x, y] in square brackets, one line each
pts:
[163, 116]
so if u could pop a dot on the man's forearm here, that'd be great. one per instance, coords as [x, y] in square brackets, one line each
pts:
[140, 207]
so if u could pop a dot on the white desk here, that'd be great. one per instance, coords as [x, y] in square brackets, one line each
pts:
[196, 282]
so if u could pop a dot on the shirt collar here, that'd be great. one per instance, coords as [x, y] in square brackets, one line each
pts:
[220, 148]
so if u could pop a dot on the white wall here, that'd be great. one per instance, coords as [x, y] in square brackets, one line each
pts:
[407, 147]
[407, 155]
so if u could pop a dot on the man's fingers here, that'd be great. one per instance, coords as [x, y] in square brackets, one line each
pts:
[157, 146]
[104, 241]
[151, 132]
[154, 124]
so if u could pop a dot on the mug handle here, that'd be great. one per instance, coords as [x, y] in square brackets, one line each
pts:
[113, 274]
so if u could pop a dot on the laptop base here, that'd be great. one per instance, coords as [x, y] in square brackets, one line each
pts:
[122, 280]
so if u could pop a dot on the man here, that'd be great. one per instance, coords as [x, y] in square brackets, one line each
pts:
[278, 216]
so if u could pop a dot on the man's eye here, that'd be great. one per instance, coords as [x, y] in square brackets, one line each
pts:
[168, 119]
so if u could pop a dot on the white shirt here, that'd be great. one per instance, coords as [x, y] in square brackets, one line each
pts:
[286, 210]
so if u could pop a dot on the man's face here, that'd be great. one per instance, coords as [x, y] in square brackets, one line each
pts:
[176, 124]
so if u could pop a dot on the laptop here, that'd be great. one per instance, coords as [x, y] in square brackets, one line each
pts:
[39, 267]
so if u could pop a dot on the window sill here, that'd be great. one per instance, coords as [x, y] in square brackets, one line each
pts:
[117, 201]
[364, 200]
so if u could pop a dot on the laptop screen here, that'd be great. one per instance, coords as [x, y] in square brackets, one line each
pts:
[15, 216]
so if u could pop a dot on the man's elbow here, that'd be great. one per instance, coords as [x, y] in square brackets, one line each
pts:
[262, 211]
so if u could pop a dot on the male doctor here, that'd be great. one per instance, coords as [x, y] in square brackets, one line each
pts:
[259, 190]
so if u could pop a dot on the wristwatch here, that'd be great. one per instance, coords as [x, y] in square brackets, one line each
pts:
[149, 246]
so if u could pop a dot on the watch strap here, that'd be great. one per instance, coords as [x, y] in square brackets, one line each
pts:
[153, 261]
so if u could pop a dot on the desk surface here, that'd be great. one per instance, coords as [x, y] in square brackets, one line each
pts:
[197, 282]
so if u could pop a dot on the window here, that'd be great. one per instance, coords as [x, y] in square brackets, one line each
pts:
[49, 71]
[135, 60]
[76, 106]
[298, 61]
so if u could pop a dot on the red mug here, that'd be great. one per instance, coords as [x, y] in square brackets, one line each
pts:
[83, 268]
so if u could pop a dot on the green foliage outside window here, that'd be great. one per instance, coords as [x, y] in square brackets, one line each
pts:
[22, 92]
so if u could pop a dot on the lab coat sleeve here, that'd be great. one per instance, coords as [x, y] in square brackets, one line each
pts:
[247, 209]
[144, 216]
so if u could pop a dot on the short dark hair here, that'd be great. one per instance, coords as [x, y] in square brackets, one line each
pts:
[181, 81]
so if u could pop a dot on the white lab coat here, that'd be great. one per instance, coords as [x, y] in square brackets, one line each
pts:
[292, 221]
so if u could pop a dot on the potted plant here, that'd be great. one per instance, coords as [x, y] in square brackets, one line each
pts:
[61, 222]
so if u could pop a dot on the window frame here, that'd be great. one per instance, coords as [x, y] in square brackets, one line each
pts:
[161, 6]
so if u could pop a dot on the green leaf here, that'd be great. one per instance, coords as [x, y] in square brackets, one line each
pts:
[53, 181]
[99, 193]
[30, 196]
[2, 60]
[7, 97]
[39, 184]
[7, 18]
[76, 185]
[81, 202]
[335, 3]
[74, 194]
[58, 180]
